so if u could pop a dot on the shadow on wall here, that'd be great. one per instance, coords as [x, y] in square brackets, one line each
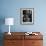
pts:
[2, 21]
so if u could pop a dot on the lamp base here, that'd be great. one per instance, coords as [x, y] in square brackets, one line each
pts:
[9, 33]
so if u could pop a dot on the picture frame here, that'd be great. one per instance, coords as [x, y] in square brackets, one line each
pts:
[26, 15]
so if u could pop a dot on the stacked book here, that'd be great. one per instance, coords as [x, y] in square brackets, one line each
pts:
[30, 33]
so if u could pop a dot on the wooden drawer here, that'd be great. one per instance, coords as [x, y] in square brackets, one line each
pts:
[34, 37]
[37, 43]
[33, 43]
[13, 43]
[16, 37]
[9, 43]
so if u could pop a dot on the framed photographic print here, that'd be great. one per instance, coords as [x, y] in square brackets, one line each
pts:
[27, 15]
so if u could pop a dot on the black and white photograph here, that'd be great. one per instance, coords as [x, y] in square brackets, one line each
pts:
[27, 15]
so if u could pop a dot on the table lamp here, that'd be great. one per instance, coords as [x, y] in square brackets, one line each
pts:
[9, 21]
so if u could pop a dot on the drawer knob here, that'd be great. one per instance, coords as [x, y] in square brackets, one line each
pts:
[33, 42]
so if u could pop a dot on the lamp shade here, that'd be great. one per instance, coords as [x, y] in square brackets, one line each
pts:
[9, 21]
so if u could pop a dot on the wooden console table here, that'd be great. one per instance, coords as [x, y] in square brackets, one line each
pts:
[20, 39]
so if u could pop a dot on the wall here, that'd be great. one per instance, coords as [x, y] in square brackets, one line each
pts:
[11, 8]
